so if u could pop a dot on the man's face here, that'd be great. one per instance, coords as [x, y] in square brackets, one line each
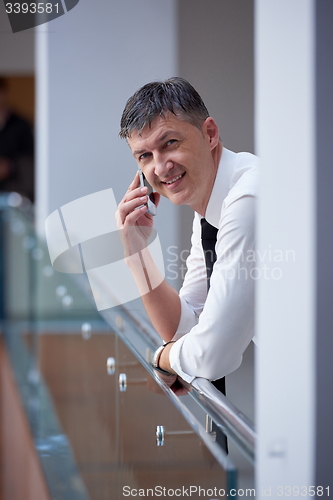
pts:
[178, 159]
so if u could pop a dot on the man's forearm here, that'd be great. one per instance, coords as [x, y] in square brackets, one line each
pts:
[163, 308]
[162, 303]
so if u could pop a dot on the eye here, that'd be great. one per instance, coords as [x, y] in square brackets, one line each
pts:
[170, 142]
[144, 156]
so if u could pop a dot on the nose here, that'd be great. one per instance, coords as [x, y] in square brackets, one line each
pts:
[162, 166]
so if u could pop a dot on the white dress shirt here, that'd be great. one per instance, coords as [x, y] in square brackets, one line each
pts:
[215, 328]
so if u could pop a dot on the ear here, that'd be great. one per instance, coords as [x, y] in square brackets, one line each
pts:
[211, 131]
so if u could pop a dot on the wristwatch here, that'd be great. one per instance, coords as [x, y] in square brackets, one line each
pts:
[156, 358]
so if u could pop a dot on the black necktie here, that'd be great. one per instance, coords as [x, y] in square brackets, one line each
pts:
[208, 240]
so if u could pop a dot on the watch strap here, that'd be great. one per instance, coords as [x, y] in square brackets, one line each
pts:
[158, 369]
[156, 358]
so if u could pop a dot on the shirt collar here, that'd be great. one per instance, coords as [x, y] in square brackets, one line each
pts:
[221, 187]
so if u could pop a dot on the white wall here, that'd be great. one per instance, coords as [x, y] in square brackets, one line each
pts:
[89, 62]
[216, 56]
[285, 134]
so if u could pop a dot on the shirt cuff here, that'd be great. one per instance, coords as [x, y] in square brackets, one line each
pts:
[174, 360]
[188, 319]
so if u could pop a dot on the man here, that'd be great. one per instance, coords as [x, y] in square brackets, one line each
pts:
[177, 146]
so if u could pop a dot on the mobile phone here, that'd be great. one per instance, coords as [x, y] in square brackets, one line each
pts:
[152, 209]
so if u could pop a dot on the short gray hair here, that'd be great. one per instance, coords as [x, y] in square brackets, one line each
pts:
[175, 95]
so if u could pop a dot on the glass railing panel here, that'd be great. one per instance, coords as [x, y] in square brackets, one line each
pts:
[17, 240]
[158, 449]
[83, 393]
[142, 340]
[33, 290]
[93, 435]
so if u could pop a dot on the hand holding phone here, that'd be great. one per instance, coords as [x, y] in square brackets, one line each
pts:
[150, 204]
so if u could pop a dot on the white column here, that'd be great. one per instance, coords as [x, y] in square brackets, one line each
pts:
[285, 140]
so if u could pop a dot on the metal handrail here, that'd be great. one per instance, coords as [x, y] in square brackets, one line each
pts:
[222, 411]
[226, 415]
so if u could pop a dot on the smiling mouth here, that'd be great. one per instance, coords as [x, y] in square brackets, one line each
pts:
[171, 181]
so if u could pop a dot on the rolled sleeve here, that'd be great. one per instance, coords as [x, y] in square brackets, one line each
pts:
[176, 354]
[188, 319]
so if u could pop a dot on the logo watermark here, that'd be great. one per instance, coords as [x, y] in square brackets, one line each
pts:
[189, 491]
[121, 266]
[24, 15]
[82, 236]
[236, 264]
